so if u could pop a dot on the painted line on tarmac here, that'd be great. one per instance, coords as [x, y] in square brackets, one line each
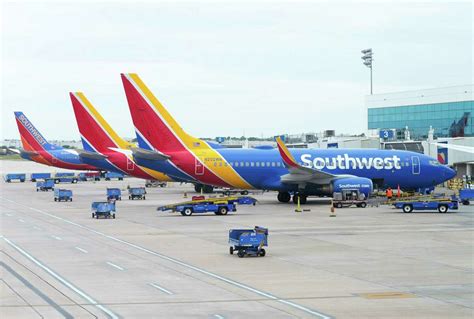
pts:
[37, 228]
[189, 266]
[66, 283]
[219, 317]
[21, 220]
[9, 215]
[80, 249]
[115, 266]
[56, 237]
[161, 288]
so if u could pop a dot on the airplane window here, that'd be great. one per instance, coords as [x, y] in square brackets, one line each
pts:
[273, 164]
[268, 164]
[236, 164]
[247, 164]
[258, 164]
[215, 163]
[263, 164]
[220, 163]
[242, 164]
[252, 164]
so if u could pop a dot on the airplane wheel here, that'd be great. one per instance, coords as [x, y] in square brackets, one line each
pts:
[284, 197]
[231, 250]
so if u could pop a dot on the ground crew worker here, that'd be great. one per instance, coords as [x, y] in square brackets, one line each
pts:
[389, 193]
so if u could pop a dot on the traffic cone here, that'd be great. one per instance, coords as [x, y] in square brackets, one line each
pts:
[333, 210]
[185, 195]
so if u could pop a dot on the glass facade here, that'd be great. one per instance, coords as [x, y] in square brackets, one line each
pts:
[451, 119]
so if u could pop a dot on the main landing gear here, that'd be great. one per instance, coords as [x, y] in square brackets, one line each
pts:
[285, 197]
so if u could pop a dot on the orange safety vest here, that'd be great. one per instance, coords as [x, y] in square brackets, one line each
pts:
[389, 193]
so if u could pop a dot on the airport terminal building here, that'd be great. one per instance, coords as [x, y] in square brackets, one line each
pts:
[448, 111]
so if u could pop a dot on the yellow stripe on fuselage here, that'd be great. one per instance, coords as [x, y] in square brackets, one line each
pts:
[285, 150]
[199, 148]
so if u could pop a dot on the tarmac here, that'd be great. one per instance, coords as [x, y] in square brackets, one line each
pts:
[374, 262]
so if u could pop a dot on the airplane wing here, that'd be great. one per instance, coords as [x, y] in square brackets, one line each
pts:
[29, 153]
[14, 150]
[299, 174]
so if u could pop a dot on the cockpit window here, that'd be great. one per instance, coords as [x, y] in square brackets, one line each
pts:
[435, 163]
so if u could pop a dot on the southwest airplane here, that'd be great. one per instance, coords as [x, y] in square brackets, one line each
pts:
[166, 147]
[36, 148]
[101, 142]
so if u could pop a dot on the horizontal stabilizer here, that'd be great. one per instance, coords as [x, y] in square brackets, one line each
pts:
[91, 155]
[29, 153]
[14, 150]
[149, 155]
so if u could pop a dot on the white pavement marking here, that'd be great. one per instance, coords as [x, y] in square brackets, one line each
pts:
[36, 227]
[21, 220]
[114, 265]
[80, 249]
[9, 215]
[161, 288]
[219, 317]
[183, 264]
[56, 237]
[62, 280]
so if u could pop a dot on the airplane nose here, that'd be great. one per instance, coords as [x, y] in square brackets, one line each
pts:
[448, 173]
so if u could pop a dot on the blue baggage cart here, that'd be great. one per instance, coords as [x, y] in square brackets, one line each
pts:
[248, 241]
[466, 195]
[15, 176]
[114, 194]
[62, 195]
[110, 175]
[136, 192]
[442, 204]
[216, 205]
[45, 186]
[65, 177]
[37, 176]
[104, 209]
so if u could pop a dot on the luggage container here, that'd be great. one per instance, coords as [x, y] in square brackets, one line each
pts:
[114, 194]
[62, 195]
[248, 241]
[89, 176]
[37, 176]
[136, 193]
[45, 186]
[65, 177]
[104, 209]
[14, 176]
[466, 195]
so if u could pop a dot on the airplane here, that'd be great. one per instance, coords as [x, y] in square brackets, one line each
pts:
[301, 172]
[36, 148]
[103, 148]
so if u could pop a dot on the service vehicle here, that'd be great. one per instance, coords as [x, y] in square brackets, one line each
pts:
[216, 205]
[15, 176]
[248, 241]
[45, 186]
[466, 195]
[36, 176]
[136, 193]
[154, 183]
[111, 175]
[114, 194]
[89, 176]
[442, 204]
[349, 197]
[103, 209]
[61, 194]
[65, 177]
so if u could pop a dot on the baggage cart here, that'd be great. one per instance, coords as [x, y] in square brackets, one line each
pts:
[45, 186]
[62, 195]
[103, 209]
[136, 193]
[248, 241]
[114, 194]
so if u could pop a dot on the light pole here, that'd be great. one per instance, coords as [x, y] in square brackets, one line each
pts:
[367, 57]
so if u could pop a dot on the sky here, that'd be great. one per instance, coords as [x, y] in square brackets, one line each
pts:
[224, 68]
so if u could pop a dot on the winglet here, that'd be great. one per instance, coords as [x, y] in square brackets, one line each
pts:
[285, 154]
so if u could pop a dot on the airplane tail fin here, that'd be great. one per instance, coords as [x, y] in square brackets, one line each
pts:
[285, 154]
[31, 139]
[156, 129]
[96, 134]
